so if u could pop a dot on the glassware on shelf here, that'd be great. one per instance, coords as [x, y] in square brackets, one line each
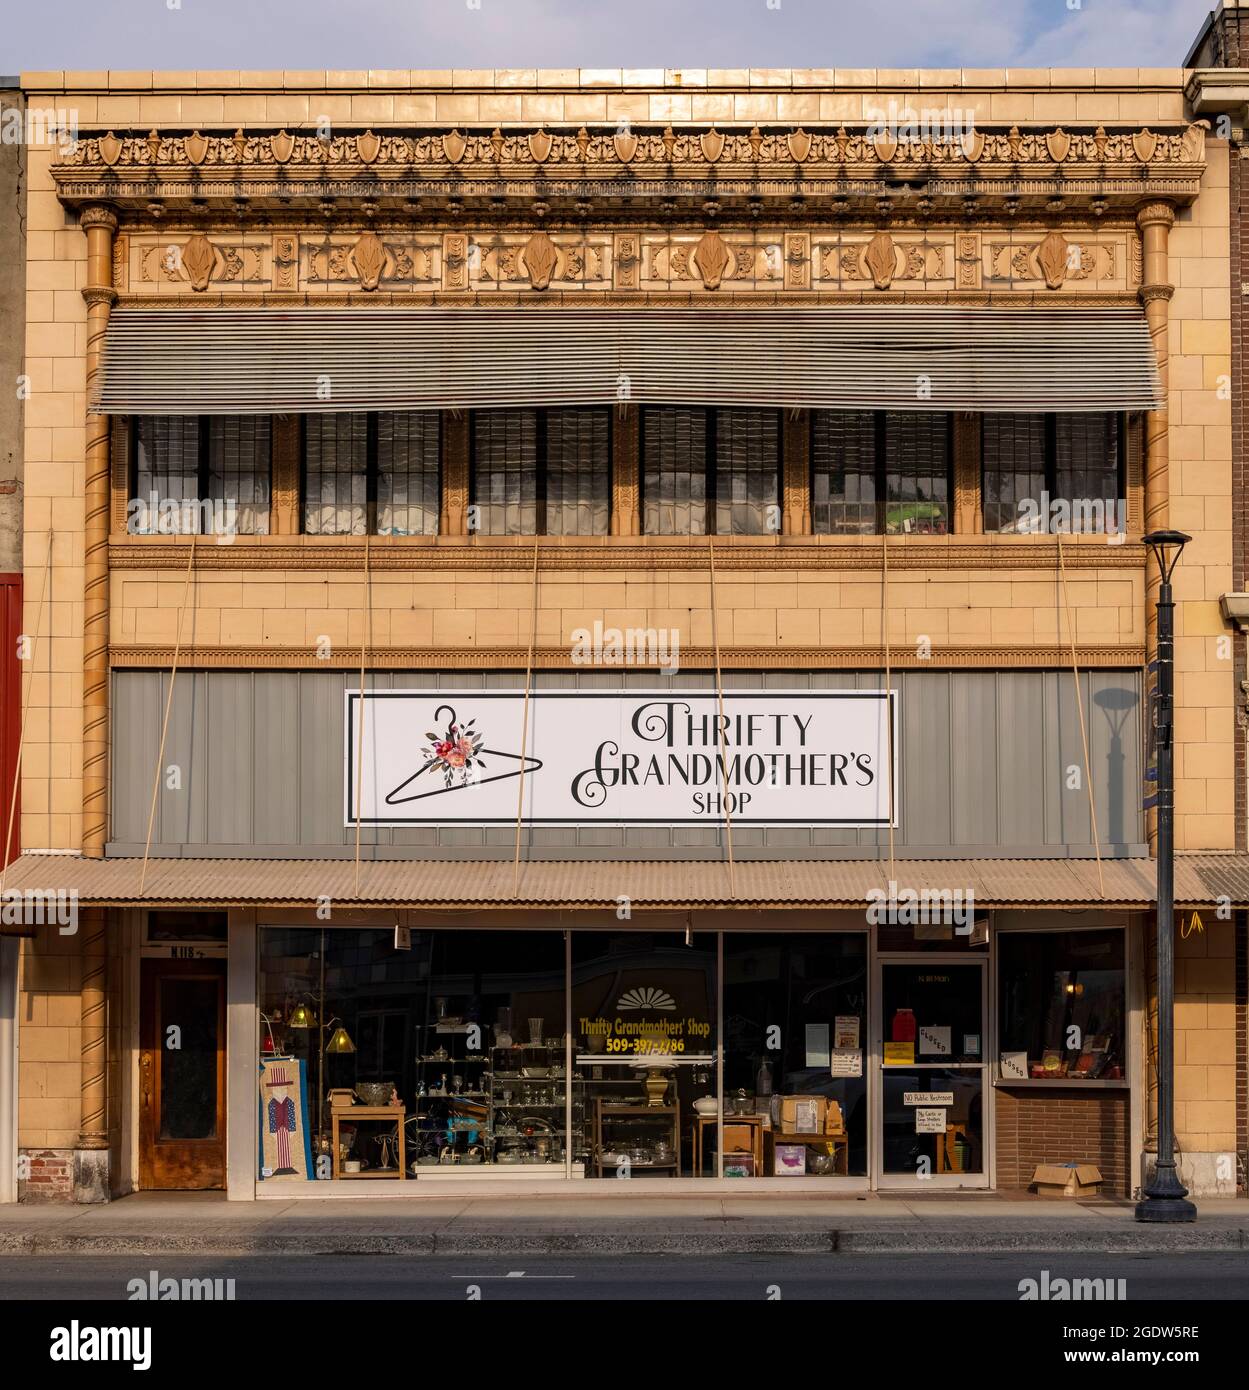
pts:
[535, 1032]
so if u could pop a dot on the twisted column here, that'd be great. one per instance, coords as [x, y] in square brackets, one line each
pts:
[1155, 221]
[100, 224]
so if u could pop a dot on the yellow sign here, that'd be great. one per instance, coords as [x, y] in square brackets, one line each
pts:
[899, 1054]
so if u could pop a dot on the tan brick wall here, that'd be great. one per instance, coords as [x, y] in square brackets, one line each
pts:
[1205, 1036]
[55, 437]
[1201, 496]
[1014, 608]
[49, 1042]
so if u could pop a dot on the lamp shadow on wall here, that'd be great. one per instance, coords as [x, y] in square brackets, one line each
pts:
[1116, 702]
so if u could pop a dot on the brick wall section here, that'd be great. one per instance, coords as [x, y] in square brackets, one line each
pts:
[50, 1177]
[1066, 1125]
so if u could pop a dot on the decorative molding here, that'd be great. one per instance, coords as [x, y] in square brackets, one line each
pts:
[601, 165]
[244, 149]
[454, 551]
[991, 657]
[541, 258]
[369, 257]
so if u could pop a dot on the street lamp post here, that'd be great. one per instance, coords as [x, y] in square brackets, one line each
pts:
[1165, 1196]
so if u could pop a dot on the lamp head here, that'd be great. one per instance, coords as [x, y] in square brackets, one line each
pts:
[1167, 547]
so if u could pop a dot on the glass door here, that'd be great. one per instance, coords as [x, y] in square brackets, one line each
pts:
[930, 1059]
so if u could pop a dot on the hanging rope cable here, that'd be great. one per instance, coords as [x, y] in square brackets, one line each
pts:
[1084, 738]
[164, 727]
[524, 724]
[723, 724]
[367, 615]
[884, 631]
[21, 737]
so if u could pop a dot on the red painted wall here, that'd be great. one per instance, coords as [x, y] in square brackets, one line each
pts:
[10, 704]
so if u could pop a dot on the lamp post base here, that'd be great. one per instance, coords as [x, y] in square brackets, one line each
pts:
[1165, 1199]
[1166, 1209]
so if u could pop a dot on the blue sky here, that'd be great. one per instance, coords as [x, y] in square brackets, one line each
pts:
[178, 34]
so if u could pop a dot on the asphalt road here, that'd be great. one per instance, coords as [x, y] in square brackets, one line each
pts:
[1177, 1278]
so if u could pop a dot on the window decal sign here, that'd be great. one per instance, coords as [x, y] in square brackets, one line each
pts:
[625, 757]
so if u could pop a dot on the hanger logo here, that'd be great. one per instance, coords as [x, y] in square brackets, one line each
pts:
[457, 758]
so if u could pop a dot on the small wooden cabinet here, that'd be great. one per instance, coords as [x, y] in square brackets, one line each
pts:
[606, 1115]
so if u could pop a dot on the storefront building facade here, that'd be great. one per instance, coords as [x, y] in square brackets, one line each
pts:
[603, 615]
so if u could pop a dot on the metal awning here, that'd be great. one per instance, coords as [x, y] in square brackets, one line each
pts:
[1200, 880]
[264, 360]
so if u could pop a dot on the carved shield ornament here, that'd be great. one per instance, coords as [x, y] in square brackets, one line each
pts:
[453, 146]
[1058, 142]
[283, 146]
[712, 144]
[196, 146]
[368, 146]
[540, 143]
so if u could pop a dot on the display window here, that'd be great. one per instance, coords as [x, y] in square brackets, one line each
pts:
[1062, 1005]
[589, 1054]
[795, 1033]
[447, 1053]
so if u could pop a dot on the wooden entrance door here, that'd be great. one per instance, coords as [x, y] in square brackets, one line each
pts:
[182, 1074]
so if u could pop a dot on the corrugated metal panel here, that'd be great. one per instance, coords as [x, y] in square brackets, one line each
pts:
[970, 750]
[1129, 883]
[265, 360]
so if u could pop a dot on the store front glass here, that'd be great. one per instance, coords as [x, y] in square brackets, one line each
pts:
[456, 1041]
[644, 1028]
[932, 1064]
[795, 1032]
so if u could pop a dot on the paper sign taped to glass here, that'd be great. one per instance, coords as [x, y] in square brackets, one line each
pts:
[820, 757]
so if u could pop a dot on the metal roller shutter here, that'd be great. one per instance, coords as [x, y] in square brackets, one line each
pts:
[888, 356]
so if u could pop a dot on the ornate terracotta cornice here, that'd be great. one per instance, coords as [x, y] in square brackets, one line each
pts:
[735, 170]
[995, 657]
[389, 554]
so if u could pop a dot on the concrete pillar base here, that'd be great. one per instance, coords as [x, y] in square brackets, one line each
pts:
[91, 1176]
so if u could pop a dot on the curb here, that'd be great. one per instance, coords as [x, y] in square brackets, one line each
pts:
[504, 1241]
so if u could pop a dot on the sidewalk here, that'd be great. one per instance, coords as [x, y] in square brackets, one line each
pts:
[206, 1224]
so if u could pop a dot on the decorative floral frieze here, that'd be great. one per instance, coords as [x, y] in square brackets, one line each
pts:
[636, 146]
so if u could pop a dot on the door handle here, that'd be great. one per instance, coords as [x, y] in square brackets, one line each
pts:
[145, 1061]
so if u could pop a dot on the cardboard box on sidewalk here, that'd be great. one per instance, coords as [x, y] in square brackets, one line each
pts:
[1067, 1180]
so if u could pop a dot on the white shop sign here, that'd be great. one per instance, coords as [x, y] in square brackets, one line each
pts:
[945, 1098]
[625, 757]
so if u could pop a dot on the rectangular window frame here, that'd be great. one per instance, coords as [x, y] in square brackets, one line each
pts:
[202, 471]
[542, 416]
[711, 437]
[880, 473]
[371, 475]
[1050, 462]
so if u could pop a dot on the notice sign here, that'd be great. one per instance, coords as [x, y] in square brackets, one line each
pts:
[421, 757]
[934, 1040]
[928, 1098]
[930, 1122]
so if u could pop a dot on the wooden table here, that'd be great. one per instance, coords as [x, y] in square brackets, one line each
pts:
[754, 1122]
[840, 1144]
[352, 1113]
